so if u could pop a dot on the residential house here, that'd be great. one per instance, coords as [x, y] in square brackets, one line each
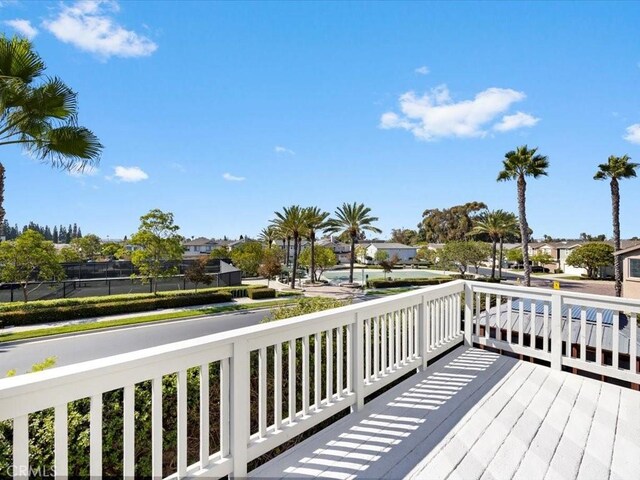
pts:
[630, 258]
[342, 250]
[199, 246]
[404, 253]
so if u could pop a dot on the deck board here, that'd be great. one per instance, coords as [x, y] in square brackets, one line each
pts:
[477, 414]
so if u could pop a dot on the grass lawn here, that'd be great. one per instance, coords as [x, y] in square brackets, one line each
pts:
[84, 327]
[388, 291]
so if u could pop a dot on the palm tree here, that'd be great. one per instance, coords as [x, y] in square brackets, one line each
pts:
[40, 113]
[268, 235]
[315, 219]
[508, 228]
[352, 220]
[517, 165]
[292, 222]
[616, 168]
[488, 223]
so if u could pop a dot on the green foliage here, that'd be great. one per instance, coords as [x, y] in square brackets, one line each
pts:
[160, 243]
[407, 282]
[304, 306]
[425, 254]
[197, 272]
[247, 257]
[271, 263]
[463, 254]
[260, 293]
[29, 257]
[455, 223]
[324, 258]
[112, 250]
[381, 256]
[514, 255]
[88, 247]
[591, 256]
[69, 255]
[406, 236]
[542, 258]
[219, 252]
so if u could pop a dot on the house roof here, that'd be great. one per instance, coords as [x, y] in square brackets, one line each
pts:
[626, 250]
[199, 241]
[395, 246]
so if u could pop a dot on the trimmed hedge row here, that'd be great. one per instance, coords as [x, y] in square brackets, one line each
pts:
[87, 310]
[407, 282]
[259, 293]
[235, 292]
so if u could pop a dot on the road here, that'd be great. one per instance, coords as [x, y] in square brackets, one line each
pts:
[89, 346]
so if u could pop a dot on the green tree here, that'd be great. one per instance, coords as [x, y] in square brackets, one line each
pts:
[160, 243]
[219, 252]
[426, 254]
[455, 223]
[381, 256]
[406, 236]
[40, 113]
[268, 235]
[514, 255]
[112, 250]
[88, 247]
[542, 258]
[517, 165]
[315, 219]
[496, 225]
[591, 256]
[247, 257]
[271, 264]
[69, 255]
[196, 273]
[508, 230]
[616, 169]
[292, 221]
[29, 258]
[352, 220]
[324, 257]
[461, 254]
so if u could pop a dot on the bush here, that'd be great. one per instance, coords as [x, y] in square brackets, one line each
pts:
[30, 316]
[407, 282]
[258, 293]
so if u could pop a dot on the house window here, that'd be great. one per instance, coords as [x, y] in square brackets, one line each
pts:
[634, 267]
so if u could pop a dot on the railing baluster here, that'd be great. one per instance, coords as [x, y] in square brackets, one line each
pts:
[404, 324]
[392, 342]
[129, 431]
[376, 347]
[521, 322]
[356, 362]
[498, 317]
[339, 362]
[556, 331]
[204, 415]
[262, 392]
[349, 356]
[317, 374]
[545, 328]
[383, 326]
[156, 428]
[533, 325]
[633, 343]
[398, 322]
[225, 400]
[61, 434]
[21, 446]
[509, 319]
[240, 405]
[427, 322]
[487, 307]
[477, 316]
[599, 360]
[583, 334]
[305, 376]
[329, 366]
[615, 339]
[95, 436]
[367, 351]
[277, 386]
[569, 330]
[468, 315]
[292, 381]
[182, 423]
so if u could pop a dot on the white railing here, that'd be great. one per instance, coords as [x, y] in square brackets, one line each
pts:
[593, 333]
[271, 382]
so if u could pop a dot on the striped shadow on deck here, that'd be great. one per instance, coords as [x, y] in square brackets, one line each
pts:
[476, 414]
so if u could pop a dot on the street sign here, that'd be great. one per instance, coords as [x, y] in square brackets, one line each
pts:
[556, 285]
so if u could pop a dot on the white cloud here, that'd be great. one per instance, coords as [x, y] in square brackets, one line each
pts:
[130, 174]
[23, 27]
[517, 120]
[280, 149]
[232, 178]
[423, 70]
[633, 133]
[89, 25]
[435, 115]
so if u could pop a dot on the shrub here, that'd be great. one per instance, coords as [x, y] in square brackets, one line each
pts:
[30, 316]
[407, 282]
[258, 293]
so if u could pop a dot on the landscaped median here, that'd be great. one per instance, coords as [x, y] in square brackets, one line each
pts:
[121, 322]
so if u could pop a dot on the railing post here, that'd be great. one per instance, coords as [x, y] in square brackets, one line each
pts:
[357, 370]
[240, 404]
[422, 332]
[556, 331]
[468, 314]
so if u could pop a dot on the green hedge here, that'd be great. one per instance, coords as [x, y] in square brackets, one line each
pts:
[259, 293]
[30, 316]
[407, 282]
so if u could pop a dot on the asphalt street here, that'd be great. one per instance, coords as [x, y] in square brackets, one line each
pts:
[89, 346]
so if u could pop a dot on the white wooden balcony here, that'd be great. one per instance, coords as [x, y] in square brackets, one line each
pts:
[461, 411]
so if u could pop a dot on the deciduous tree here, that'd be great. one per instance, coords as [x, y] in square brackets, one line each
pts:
[591, 256]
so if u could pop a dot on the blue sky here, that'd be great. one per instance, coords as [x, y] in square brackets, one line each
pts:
[225, 112]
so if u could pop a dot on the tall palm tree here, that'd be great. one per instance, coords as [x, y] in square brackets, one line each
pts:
[315, 220]
[508, 228]
[292, 221]
[268, 235]
[40, 113]
[352, 220]
[517, 165]
[488, 223]
[616, 169]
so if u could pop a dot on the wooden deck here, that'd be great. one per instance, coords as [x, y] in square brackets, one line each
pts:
[476, 414]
